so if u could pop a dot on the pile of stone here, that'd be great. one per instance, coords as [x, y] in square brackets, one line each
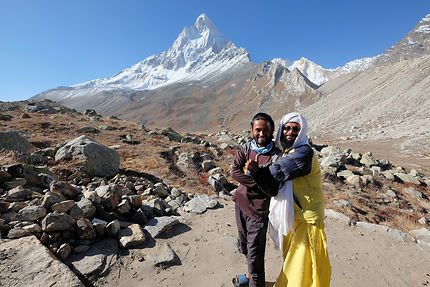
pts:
[363, 169]
[68, 218]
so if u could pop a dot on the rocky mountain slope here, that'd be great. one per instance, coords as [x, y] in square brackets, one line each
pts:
[120, 220]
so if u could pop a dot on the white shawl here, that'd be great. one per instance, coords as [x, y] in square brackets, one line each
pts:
[281, 209]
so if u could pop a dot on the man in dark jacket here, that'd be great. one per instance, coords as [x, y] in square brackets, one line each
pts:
[251, 203]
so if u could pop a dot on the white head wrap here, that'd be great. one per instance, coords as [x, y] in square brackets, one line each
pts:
[302, 137]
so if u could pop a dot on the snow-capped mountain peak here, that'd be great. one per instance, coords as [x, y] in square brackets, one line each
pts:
[200, 51]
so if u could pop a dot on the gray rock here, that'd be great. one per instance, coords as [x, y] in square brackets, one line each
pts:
[13, 183]
[331, 165]
[18, 205]
[64, 251]
[353, 180]
[36, 264]
[388, 174]
[200, 204]
[64, 188]
[97, 260]
[98, 159]
[367, 179]
[368, 159]
[85, 229]
[344, 174]
[376, 170]
[32, 213]
[131, 236]
[57, 222]
[87, 207]
[19, 194]
[161, 191]
[63, 206]
[18, 232]
[123, 207]
[93, 196]
[38, 107]
[112, 228]
[109, 196]
[330, 213]
[171, 134]
[158, 225]
[139, 217]
[406, 178]
[51, 198]
[12, 140]
[9, 216]
[165, 256]
[33, 228]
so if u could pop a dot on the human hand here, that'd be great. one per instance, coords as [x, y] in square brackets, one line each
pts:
[252, 165]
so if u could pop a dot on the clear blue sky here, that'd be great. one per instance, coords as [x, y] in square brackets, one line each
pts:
[50, 43]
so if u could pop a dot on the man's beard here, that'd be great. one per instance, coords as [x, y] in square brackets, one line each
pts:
[286, 144]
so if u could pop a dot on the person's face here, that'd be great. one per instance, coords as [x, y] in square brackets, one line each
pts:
[290, 132]
[261, 132]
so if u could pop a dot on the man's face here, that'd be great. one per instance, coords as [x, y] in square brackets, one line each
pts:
[290, 132]
[261, 132]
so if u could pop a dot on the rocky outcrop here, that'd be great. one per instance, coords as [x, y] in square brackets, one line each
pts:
[98, 159]
[13, 140]
[26, 262]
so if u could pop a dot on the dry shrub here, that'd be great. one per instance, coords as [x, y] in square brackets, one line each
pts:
[10, 157]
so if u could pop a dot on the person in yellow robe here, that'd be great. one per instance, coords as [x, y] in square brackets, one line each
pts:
[296, 218]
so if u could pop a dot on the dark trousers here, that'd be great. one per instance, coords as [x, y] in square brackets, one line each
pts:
[252, 241]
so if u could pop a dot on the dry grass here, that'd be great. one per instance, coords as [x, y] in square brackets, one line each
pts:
[153, 155]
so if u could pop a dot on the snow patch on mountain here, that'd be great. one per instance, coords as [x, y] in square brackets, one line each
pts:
[319, 75]
[200, 51]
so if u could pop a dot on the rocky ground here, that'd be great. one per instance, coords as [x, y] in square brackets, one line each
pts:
[154, 206]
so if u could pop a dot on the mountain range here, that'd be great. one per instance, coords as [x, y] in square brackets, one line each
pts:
[203, 82]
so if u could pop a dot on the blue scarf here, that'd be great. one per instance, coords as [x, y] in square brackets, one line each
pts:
[261, 150]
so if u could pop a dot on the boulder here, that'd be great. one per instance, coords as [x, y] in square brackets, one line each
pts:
[406, 178]
[64, 188]
[38, 107]
[331, 165]
[109, 195]
[171, 134]
[165, 256]
[131, 236]
[200, 204]
[57, 222]
[98, 160]
[36, 264]
[19, 194]
[368, 159]
[32, 213]
[12, 140]
[158, 225]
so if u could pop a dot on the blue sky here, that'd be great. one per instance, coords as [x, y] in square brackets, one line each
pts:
[50, 43]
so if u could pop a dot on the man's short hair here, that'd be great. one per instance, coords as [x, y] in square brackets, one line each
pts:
[264, 117]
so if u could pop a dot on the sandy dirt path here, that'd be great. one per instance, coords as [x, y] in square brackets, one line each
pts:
[205, 247]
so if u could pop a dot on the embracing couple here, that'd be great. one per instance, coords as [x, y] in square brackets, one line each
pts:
[280, 189]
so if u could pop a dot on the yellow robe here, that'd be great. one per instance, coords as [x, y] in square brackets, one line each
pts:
[306, 261]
